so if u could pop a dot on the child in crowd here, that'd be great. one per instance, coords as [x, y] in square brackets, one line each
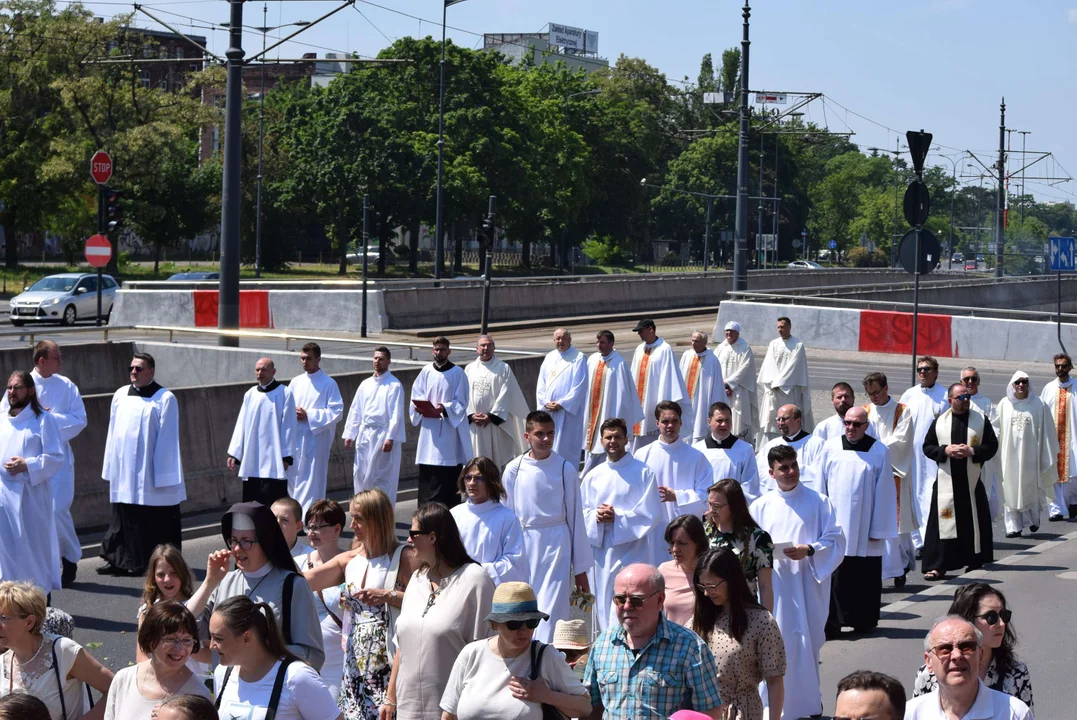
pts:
[289, 514]
[168, 577]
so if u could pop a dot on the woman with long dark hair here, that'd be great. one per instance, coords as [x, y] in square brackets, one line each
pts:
[728, 524]
[444, 609]
[985, 607]
[742, 634]
[687, 542]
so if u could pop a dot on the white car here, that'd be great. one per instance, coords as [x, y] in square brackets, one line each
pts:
[805, 265]
[63, 298]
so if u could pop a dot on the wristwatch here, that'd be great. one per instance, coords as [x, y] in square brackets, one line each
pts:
[811, 551]
[392, 594]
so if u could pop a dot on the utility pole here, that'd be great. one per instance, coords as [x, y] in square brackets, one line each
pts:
[1000, 222]
[261, 141]
[740, 255]
[759, 225]
[1024, 134]
[438, 247]
[228, 297]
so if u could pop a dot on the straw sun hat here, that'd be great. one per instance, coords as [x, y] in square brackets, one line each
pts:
[571, 635]
[515, 601]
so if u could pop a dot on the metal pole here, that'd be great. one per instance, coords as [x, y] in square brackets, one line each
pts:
[100, 230]
[491, 214]
[916, 306]
[1000, 230]
[759, 226]
[950, 242]
[707, 236]
[366, 219]
[438, 243]
[228, 297]
[740, 255]
[1059, 313]
[261, 137]
[777, 200]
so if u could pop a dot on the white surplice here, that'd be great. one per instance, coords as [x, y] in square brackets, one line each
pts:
[1065, 487]
[801, 587]
[29, 549]
[631, 488]
[62, 399]
[611, 393]
[142, 450]
[545, 496]
[444, 440]
[658, 378]
[737, 461]
[1027, 452]
[738, 371]
[703, 386]
[265, 432]
[989, 473]
[924, 406]
[493, 390]
[492, 537]
[808, 448]
[891, 423]
[830, 428]
[377, 415]
[563, 379]
[683, 469]
[318, 394]
[783, 380]
[860, 485]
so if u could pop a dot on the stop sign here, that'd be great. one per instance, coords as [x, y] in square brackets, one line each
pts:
[101, 167]
[98, 251]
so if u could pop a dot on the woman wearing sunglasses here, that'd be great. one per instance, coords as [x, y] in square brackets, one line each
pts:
[492, 677]
[985, 607]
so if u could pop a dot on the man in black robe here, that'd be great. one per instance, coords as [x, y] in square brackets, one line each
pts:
[959, 524]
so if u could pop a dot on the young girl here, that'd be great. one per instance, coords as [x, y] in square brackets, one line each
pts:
[168, 577]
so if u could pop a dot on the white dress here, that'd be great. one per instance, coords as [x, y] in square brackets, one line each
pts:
[44, 683]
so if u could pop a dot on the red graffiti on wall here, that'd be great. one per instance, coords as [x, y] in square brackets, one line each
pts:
[891, 332]
[253, 308]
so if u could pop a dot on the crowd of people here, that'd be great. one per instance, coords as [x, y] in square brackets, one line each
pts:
[680, 530]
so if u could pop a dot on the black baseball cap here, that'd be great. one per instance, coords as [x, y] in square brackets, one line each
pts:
[644, 323]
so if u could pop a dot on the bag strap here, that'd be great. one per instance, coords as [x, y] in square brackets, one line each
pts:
[278, 687]
[224, 684]
[338, 621]
[537, 648]
[286, 608]
[59, 680]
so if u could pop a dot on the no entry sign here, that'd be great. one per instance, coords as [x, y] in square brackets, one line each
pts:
[98, 251]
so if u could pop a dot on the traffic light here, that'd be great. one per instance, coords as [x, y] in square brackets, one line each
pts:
[113, 209]
[488, 221]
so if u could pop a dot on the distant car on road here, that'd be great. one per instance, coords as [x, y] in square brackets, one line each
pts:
[970, 264]
[979, 258]
[356, 258]
[805, 265]
[196, 276]
[63, 298]
[958, 258]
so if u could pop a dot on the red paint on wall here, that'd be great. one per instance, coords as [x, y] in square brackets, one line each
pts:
[253, 308]
[891, 332]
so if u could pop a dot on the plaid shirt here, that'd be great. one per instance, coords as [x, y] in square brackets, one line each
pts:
[674, 671]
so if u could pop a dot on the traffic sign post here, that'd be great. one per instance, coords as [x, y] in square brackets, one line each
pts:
[1062, 250]
[922, 244]
[98, 253]
[101, 167]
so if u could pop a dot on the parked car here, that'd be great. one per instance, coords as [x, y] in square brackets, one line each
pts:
[63, 298]
[979, 258]
[805, 264]
[356, 258]
[970, 264]
[958, 258]
[196, 276]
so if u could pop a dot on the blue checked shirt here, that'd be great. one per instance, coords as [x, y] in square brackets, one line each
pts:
[674, 671]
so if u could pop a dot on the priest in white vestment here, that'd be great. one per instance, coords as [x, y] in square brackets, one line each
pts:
[32, 453]
[62, 399]
[727, 455]
[925, 402]
[1027, 453]
[375, 428]
[561, 391]
[807, 446]
[989, 476]
[682, 473]
[794, 513]
[542, 490]
[439, 399]
[738, 372]
[703, 385]
[490, 531]
[496, 406]
[858, 477]
[144, 471]
[263, 442]
[318, 409]
[621, 508]
[842, 398]
[611, 393]
[890, 422]
[1060, 395]
[658, 377]
[783, 380]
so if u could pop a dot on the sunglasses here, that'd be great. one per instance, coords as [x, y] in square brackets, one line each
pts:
[515, 625]
[415, 533]
[991, 617]
[922, 370]
[1062, 367]
[136, 368]
[853, 423]
[964, 397]
[965, 647]
[971, 379]
[1022, 381]
[635, 601]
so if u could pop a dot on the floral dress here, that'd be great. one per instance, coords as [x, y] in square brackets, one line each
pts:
[757, 554]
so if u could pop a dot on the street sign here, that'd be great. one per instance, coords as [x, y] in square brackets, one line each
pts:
[713, 98]
[765, 98]
[833, 244]
[917, 203]
[1062, 254]
[804, 232]
[929, 251]
[98, 251]
[797, 244]
[101, 167]
[919, 144]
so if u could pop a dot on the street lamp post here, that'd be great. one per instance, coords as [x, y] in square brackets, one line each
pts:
[740, 256]
[439, 242]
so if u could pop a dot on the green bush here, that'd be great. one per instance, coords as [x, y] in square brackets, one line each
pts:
[123, 261]
[860, 257]
[603, 251]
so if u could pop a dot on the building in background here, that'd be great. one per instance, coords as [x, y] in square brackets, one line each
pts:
[576, 47]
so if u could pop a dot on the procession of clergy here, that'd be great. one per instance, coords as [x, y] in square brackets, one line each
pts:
[594, 469]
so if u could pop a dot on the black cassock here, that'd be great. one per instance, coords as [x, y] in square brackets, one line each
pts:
[943, 555]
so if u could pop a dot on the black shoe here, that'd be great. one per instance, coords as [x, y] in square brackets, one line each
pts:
[67, 578]
[1055, 518]
[109, 569]
[1015, 534]
[1073, 511]
[919, 553]
[974, 566]
[899, 582]
[1033, 528]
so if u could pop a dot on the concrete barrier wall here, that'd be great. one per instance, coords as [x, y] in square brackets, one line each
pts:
[95, 367]
[815, 326]
[1012, 294]
[208, 415]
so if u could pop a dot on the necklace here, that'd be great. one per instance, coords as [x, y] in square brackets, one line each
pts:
[434, 592]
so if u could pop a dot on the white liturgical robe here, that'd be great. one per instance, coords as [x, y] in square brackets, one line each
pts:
[924, 406]
[631, 488]
[62, 399]
[611, 393]
[545, 496]
[265, 432]
[494, 391]
[731, 458]
[563, 379]
[445, 440]
[703, 386]
[859, 481]
[658, 378]
[989, 473]
[377, 415]
[801, 587]
[783, 380]
[891, 423]
[142, 451]
[29, 549]
[830, 428]
[318, 394]
[492, 537]
[808, 448]
[683, 469]
[738, 371]
[1028, 450]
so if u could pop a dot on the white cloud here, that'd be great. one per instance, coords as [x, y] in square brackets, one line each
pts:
[1071, 16]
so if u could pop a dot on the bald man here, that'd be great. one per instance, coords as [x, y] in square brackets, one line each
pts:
[562, 391]
[263, 441]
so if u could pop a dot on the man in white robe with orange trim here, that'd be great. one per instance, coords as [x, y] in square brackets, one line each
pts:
[737, 361]
[658, 378]
[610, 393]
[1061, 397]
[703, 384]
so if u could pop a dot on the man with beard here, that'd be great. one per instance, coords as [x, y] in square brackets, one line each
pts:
[1060, 395]
[842, 398]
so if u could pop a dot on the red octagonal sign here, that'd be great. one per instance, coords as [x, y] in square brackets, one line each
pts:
[98, 251]
[101, 167]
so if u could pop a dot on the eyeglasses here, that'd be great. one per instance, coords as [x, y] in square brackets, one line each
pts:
[412, 534]
[965, 647]
[971, 379]
[925, 369]
[317, 528]
[717, 506]
[1063, 367]
[1021, 381]
[635, 601]
[991, 617]
[965, 397]
[708, 589]
[13, 388]
[186, 643]
[515, 625]
[137, 368]
[244, 543]
[853, 423]
[5, 619]
[476, 477]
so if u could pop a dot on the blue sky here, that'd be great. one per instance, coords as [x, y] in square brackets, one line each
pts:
[940, 65]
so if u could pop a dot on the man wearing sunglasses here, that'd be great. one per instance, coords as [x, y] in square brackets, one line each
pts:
[959, 521]
[952, 651]
[1028, 450]
[146, 495]
[925, 401]
[1061, 397]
